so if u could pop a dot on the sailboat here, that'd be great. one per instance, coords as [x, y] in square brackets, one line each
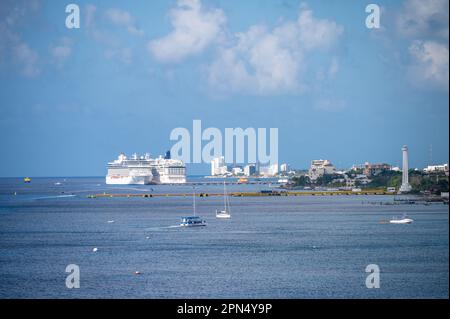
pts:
[225, 213]
[192, 221]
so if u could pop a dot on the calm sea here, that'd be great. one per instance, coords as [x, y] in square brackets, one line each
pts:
[272, 247]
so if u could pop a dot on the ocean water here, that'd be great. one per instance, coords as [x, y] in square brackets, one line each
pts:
[272, 247]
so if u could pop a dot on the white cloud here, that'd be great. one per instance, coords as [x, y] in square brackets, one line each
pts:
[194, 29]
[329, 104]
[420, 18]
[264, 62]
[314, 33]
[431, 63]
[13, 49]
[27, 58]
[124, 54]
[124, 19]
[425, 24]
[61, 51]
[334, 67]
[113, 46]
[90, 14]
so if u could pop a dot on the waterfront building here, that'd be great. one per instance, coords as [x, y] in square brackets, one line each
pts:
[218, 166]
[319, 168]
[237, 170]
[250, 170]
[269, 171]
[284, 168]
[375, 169]
[436, 169]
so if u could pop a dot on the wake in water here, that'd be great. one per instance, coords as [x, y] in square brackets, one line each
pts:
[162, 228]
[53, 197]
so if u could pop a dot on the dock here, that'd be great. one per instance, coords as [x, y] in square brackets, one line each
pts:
[246, 194]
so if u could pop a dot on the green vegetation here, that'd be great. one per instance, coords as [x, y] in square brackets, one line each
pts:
[420, 182]
[386, 179]
[434, 183]
[301, 180]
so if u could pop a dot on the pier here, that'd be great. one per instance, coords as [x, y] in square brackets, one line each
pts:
[246, 194]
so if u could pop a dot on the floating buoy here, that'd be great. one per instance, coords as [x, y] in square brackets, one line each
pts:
[94, 249]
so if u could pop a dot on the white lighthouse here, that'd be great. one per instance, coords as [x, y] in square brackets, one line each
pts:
[405, 188]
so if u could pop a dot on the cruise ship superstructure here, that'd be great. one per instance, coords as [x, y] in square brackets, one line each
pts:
[143, 170]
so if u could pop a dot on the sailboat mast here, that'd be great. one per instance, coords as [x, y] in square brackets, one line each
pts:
[224, 196]
[193, 197]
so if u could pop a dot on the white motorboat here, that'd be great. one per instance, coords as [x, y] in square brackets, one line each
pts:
[402, 220]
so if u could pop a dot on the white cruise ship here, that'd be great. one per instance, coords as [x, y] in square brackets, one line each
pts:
[145, 170]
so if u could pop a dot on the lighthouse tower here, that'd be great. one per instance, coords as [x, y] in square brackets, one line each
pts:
[405, 188]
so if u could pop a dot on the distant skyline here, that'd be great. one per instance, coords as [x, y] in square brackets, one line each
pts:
[73, 99]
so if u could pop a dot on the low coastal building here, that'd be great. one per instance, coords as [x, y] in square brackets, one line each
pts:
[237, 171]
[436, 169]
[375, 169]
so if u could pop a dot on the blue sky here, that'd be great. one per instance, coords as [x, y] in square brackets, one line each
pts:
[72, 99]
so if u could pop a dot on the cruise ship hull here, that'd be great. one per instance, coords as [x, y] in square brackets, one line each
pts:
[128, 180]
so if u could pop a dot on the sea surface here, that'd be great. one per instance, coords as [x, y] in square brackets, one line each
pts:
[272, 247]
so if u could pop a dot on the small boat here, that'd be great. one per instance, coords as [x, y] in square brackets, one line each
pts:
[243, 180]
[225, 213]
[27, 180]
[192, 221]
[403, 220]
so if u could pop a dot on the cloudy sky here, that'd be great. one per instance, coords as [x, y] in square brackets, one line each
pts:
[72, 99]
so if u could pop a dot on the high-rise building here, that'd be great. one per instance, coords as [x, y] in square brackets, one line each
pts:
[250, 170]
[284, 168]
[218, 166]
[405, 188]
[274, 169]
[269, 170]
